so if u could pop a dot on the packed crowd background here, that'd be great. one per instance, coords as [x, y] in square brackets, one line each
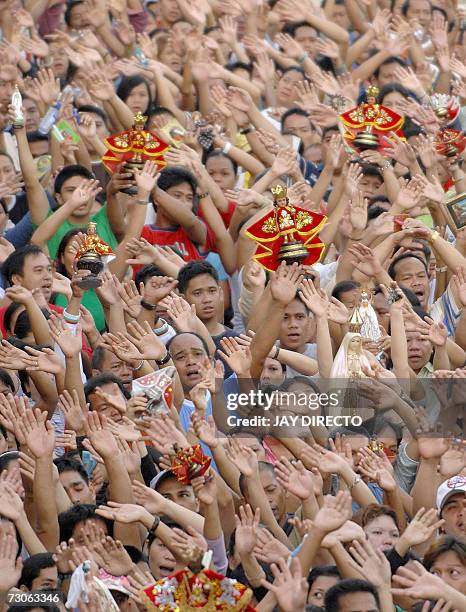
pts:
[362, 510]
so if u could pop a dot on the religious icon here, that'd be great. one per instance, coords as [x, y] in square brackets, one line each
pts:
[189, 463]
[457, 209]
[17, 104]
[369, 124]
[135, 147]
[93, 254]
[287, 233]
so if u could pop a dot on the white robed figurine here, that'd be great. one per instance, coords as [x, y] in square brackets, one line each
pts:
[370, 326]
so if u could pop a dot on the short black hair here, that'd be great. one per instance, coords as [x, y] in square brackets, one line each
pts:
[171, 176]
[69, 9]
[147, 272]
[33, 566]
[395, 87]
[374, 212]
[71, 465]
[406, 4]
[77, 514]
[291, 27]
[295, 68]
[96, 110]
[390, 60]
[36, 136]
[346, 587]
[293, 111]
[14, 263]
[329, 128]
[6, 458]
[377, 198]
[343, 287]
[193, 269]
[68, 172]
[263, 466]
[160, 110]
[219, 153]
[203, 342]
[239, 66]
[6, 379]
[372, 170]
[391, 268]
[322, 570]
[104, 379]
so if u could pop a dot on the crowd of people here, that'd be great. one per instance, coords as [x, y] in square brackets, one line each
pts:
[189, 417]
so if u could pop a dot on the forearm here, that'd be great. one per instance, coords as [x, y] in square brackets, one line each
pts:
[266, 336]
[321, 185]
[252, 569]
[301, 363]
[203, 96]
[73, 378]
[122, 112]
[47, 390]
[49, 226]
[246, 161]
[367, 68]
[360, 492]
[116, 214]
[399, 345]
[441, 360]
[111, 41]
[447, 253]
[28, 536]
[460, 332]
[37, 200]
[426, 484]
[39, 325]
[46, 508]
[227, 470]
[330, 29]
[324, 347]
[310, 548]
[182, 516]
[196, 230]
[223, 239]
[212, 526]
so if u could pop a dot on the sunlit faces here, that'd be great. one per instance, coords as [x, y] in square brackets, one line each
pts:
[286, 87]
[111, 363]
[60, 61]
[222, 171]
[275, 493]
[161, 561]
[395, 100]
[183, 193]
[181, 494]
[190, 358]
[47, 579]
[411, 273]
[387, 74]
[421, 11]
[370, 184]
[138, 99]
[300, 126]
[306, 37]
[204, 292]
[382, 533]
[36, 274]
[105, 407]
[31, 115]
[169, 11]
[454, 515]
[79, 18]
[67, 190]
[451, 569]
[294, 329]
[419, 351]
[77, 489]
[318, 589]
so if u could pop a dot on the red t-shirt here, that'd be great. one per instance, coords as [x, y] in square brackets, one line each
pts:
[177, 238]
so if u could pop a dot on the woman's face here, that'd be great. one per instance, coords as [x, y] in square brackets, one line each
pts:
[319, 588]
[395, 101]
[171, 58]
[450, 568]
[60, 61]
[272, 372]
[161, 561]
[355, 344]
[67, 259]
[221, 170]
[138, 99]
[382, 533]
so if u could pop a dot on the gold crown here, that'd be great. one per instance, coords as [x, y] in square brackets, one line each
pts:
[372, 91]
[279, 192]
[139, 120]
[355, 323]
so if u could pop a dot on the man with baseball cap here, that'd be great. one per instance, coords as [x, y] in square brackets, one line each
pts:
[451, 505]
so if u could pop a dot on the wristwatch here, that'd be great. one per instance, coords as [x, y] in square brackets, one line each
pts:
[164, 360]
[148, 306]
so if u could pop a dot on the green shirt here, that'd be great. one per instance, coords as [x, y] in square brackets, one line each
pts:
[103, 230]
[92, 303]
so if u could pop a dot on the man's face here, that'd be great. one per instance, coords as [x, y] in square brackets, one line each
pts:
[369, 185]
[181, 494]
[358, 602]
[79, 18]
[306, 37]
[67, 190]
[387, 74]
[161, 561]
[381, 310]
[419, 351]
[77, 488]
[169, 11]
[286, 88]
[340, 16]
[8, 77]
[80, 529]
[420, 10]
[451, 569]
[299, 126]
[183, 193]
[31, 115]
[111, 363]
[294, 328]
[7, 170]
[47, 579]
[36, 274]
[204, 292]
[272, 372]
[189, 358]
[102, 406]
[350, 298]
[276, 495]
[412, 274]
[101, 128]
[454, 515]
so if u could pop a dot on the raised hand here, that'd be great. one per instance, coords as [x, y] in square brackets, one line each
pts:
[364, 259]
[295, 478]
[150, 346]
[146, 178]
[238, 357]
[285, 282]
[38, 433]
[123, 513]
[242, 457]
[421, 528]
[289, 587]
[247, 526]
[326, 461]
[102, 440]
[335, 511]
[268, 549]
[12, 358]
[315, 300]
[11, 563]
[372, 564]
[69, 343]
[131, 297]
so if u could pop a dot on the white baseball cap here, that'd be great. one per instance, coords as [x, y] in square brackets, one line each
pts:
[452, 486]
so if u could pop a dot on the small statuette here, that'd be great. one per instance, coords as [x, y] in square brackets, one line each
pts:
[92, 256]
[17, 104]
